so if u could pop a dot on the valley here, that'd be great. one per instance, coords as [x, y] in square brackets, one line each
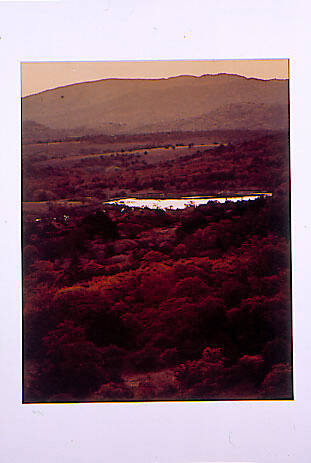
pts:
[156, 242]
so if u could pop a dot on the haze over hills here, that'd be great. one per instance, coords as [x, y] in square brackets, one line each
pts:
[128, 297]
[115, 106]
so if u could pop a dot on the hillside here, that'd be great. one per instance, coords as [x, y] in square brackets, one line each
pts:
[124, 303]
[115, 106]
[138, 304]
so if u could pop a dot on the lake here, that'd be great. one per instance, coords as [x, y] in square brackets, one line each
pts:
[182, 202]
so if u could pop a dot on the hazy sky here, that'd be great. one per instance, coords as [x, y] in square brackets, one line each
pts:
[40, 76]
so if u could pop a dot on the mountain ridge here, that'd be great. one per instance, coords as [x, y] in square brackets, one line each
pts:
[116, 105]
[153, 79]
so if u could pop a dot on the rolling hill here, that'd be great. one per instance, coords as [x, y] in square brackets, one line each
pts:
[115, 106]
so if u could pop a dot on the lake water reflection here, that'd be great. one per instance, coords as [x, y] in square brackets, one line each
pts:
[182, 202]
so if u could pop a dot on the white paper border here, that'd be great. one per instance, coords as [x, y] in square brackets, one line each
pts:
[260, 432]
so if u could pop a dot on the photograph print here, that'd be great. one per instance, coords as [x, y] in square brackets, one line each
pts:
[156, 231]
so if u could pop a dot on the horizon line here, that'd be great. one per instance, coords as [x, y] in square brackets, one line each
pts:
[155, 79]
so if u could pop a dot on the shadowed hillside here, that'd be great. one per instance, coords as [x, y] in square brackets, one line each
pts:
[115, 106]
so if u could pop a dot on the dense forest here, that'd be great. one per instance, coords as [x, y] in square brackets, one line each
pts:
[129, 304]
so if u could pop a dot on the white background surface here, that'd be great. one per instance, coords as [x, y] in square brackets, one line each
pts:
[260, 432]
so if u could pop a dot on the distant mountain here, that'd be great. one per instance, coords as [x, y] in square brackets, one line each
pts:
[114, 106]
